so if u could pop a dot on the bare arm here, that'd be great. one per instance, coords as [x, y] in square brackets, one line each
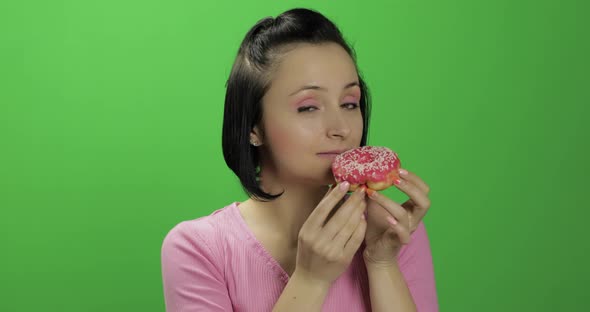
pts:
[388, 289]
[302, 294]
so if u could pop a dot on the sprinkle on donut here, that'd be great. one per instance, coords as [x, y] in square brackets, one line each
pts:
[372, 166]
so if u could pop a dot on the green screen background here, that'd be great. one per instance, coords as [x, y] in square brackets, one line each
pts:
[110, 135]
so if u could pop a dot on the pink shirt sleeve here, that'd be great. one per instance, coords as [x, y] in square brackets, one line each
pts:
[415, 261]
[192, 280]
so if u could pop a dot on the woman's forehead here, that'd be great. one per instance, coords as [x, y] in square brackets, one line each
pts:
[325, 66]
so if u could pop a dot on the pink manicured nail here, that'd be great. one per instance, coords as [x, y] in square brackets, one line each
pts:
[344, 186]
[397, 182]
[392, 220]
[403, 172]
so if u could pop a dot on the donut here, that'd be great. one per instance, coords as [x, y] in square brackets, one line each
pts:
[374, 167]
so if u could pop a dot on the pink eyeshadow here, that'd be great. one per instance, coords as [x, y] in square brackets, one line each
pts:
[351, 98]
[304, 102]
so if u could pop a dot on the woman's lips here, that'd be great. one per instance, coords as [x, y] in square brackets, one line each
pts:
[328, 155]
[331, 154]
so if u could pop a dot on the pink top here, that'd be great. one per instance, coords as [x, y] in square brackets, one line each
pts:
[215, 263]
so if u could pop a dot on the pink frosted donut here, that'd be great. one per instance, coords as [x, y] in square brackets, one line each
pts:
[373, 166]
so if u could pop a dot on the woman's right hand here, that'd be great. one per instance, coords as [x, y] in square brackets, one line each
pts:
[326, 249]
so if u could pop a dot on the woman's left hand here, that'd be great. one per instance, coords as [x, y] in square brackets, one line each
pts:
[390, 224]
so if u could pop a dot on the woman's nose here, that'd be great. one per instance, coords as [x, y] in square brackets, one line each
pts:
[337, 125]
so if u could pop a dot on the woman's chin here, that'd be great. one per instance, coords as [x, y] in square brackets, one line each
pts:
[323, 180]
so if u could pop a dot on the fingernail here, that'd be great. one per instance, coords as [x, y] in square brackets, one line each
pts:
[371, 192]
[344, 186]
[403, 172]
[361, 190]
[391, 220]
[363, 216]
[397, 181]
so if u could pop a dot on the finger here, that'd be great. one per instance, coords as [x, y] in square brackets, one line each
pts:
[416, 194]
[399, 229]
[356, 239]
[419, 203]
[348, 229]
[413, 178]
[330, 188]
[338, 221]
[395, 209]
[320, 213]
[415, 215]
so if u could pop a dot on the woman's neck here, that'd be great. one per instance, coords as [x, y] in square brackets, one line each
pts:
[286, 215]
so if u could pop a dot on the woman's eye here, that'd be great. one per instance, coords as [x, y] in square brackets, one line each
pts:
[351, 106]
[306, 109]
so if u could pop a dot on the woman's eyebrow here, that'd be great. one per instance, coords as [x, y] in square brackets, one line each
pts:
[314, 87]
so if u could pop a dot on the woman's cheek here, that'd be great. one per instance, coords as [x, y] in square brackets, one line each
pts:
[279, 138]
[289, 139]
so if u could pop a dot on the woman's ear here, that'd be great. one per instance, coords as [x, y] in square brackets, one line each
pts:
[256, 136]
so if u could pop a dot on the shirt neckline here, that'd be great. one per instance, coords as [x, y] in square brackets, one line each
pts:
[272, 262]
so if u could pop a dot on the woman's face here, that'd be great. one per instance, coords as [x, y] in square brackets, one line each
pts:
[311, 112]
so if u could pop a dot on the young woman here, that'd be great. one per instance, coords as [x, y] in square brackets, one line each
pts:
[295, 100]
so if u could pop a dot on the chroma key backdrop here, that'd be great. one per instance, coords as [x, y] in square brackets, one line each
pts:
[110, 135]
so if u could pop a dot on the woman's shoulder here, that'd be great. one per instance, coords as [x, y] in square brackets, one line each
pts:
[214, 233]
[208, 230]
[195, 251]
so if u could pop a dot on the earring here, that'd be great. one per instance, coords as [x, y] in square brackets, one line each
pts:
[254, 142]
